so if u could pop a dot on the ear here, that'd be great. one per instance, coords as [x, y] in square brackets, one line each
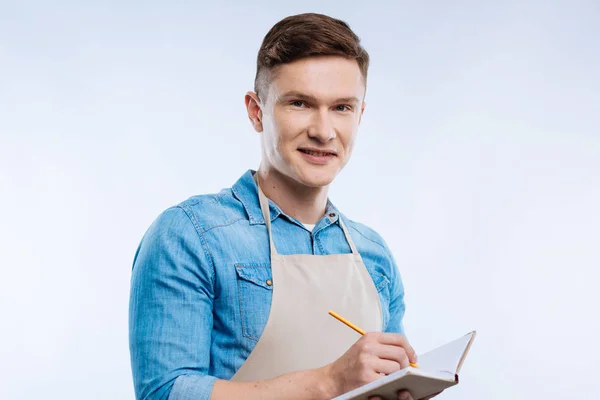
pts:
[362, 111]
[254, 111]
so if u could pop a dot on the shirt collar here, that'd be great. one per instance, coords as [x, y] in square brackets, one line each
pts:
[246, 192]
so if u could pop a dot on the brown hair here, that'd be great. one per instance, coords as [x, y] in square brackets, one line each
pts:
[306, 35]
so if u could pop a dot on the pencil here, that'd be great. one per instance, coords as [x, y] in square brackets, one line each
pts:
[356, 328]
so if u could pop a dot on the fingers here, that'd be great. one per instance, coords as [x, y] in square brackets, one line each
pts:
[395, 339]
[404, 395]
[393, 353]
[385, 366]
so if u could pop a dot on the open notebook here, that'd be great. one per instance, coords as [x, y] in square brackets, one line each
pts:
[438, 370]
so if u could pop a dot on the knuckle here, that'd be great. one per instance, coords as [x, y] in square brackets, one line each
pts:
[367, 347]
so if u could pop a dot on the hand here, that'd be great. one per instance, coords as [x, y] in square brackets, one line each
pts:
[374, 354]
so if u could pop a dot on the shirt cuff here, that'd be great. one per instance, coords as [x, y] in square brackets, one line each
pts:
[192, 387]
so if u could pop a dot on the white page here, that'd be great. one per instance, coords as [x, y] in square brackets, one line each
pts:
[447, 357]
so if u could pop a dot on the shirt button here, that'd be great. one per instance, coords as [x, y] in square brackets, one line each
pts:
[332, 215]
[269, 282]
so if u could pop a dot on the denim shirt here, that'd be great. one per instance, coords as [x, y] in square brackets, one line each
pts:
[199, 293]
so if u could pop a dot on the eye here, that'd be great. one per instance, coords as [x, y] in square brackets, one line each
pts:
[343, 107]
[297, 103]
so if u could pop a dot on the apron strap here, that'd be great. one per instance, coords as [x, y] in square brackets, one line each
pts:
[347, 234]
[266, 212]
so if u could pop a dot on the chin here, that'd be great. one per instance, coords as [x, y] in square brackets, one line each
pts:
[316, 178]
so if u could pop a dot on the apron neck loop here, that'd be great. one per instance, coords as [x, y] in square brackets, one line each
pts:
[266, 212]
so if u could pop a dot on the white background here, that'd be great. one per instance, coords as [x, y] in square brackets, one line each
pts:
[478, 160]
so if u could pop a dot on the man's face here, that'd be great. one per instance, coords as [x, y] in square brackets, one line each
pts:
[310, 118]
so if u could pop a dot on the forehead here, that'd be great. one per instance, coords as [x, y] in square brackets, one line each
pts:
[323, 77]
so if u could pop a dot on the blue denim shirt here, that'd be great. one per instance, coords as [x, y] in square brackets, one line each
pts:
[199, 298]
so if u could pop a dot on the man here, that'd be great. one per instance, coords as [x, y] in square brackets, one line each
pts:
[231, 292]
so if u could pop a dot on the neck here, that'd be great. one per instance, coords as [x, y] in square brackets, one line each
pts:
[306, 204]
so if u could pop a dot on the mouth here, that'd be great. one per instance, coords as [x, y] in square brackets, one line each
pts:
[317, 157]
[317, 153]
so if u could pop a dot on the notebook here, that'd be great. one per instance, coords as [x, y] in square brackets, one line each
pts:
[438, 370]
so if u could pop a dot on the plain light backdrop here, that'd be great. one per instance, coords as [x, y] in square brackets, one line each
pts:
[478, 160]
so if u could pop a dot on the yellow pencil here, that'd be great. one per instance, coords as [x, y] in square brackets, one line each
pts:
[356, 328]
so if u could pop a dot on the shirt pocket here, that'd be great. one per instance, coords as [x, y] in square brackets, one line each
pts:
[382, 284]
[255, 291]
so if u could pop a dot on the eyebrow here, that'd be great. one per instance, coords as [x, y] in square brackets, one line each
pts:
[303, 96]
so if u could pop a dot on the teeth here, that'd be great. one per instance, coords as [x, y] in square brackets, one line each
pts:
[315, 153]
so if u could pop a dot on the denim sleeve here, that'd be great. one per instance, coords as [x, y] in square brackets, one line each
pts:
[170, 311]
[397, 306]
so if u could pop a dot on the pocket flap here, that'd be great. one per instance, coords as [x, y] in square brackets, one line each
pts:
[380, 281]
[259, 275]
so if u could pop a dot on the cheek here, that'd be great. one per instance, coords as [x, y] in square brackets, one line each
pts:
[275, 138]
[348, 135]
[287, 126]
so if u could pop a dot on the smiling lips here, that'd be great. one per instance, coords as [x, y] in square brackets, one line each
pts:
[319, 157]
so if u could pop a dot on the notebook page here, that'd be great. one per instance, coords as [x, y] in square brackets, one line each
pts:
[447, 357]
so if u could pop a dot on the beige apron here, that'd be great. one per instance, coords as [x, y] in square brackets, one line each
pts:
[299, 333]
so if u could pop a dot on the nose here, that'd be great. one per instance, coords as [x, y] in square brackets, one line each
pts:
[321, 127]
